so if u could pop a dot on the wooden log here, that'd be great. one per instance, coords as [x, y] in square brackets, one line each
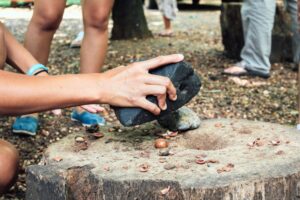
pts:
[240, 160]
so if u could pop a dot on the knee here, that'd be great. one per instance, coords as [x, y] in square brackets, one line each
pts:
[9, 161]
[47, 20]
[97, 20]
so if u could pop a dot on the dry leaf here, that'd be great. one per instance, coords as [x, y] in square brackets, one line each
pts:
[106, 168]
[258, 142]
[226, 168]
[165, 190]
[145, 154]
[275, 142]
[212, 161]
[98, 135]
[162, 160]
[144, 167]
[238, 81]
[57, 158]
[172, 133]
[200, 162]
[280, 152]
[218, 125]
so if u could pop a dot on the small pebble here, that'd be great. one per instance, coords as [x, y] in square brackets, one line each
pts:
[169, 166]
[164, 152]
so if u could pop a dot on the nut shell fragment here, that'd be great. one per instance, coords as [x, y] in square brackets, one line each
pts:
[161, 143]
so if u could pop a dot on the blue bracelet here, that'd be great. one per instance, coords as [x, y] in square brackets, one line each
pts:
[36, 67]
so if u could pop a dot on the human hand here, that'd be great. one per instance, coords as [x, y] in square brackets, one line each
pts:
[128, 86]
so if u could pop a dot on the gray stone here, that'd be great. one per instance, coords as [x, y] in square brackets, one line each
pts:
[233, 38]
[182, 119]
[105, 171]
[184, 79]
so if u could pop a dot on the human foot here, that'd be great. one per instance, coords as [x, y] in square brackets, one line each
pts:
[235, 70]
[239, 69]
[166, 33]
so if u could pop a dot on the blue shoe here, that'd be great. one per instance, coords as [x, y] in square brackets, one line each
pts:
[25, 125]
[87, 119]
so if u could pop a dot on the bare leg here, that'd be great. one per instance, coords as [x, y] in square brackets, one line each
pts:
[96, 15]
[46, 18]
[3, 53]
[9, 161]
[168, 27]
[94, 45]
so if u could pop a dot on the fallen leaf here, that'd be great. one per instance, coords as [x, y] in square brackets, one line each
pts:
[275, 142]
[226, 168]
[200, 162]
[172, 133]
[57, 158]
[218, 125]
[238, 81]
[280, 152]
[144, 167]
[145, 154]
[98, 135]
[212, 161]
[256, 143]
[162, 160]
[106, 168]
[165, 190]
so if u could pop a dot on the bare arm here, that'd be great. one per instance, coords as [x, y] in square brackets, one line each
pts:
[21, 94]
[124, 86]
[17, 55]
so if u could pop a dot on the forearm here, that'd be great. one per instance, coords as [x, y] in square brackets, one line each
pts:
[22, 94]
[17, 56]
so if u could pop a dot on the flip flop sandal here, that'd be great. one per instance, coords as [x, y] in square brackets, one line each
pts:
[25, 125]
[87, 119]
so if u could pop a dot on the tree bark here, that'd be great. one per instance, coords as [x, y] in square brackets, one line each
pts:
[129, 20]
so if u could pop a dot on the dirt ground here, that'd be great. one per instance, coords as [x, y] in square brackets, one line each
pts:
[198, 37]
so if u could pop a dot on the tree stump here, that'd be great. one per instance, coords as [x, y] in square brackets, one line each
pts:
[129, 20]
[233, 38]
[224, 159]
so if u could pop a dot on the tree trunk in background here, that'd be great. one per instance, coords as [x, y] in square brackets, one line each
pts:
[152, 4]
[129, 20]
[299, 11]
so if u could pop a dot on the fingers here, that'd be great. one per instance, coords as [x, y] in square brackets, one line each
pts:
[161, 60]
[93, 108]
[162, 81]
[147, 105]
[57, 112]
[162, 101]
[160, 92]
